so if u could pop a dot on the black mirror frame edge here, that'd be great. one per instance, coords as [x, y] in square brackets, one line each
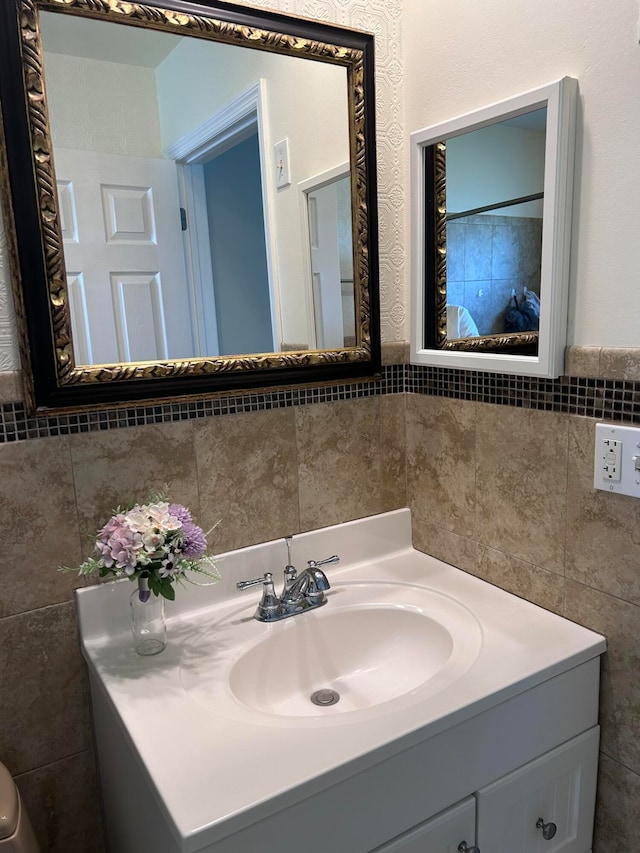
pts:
[52, 382]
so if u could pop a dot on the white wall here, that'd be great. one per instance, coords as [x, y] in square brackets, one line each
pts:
[102, 106]
[464, 54]
[493, 165]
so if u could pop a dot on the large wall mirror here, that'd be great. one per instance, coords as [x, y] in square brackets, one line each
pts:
[492, 194]
[190, 190]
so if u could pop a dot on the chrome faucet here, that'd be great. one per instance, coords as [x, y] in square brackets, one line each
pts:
[309, 585]
[304, 591]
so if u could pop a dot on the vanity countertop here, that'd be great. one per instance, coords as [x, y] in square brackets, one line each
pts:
[216, 771]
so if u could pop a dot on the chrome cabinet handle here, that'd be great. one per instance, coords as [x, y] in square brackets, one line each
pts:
[548, 829]
[464, 848]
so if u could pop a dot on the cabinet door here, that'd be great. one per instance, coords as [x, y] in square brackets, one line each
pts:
[442, 833]
[559, 788]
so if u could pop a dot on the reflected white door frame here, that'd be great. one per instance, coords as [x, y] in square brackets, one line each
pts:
[232, 124]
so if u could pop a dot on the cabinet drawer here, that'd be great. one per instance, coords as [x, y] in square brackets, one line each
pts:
[559, 788]
[440, 834]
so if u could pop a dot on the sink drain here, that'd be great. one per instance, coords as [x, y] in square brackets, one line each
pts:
[325, 697]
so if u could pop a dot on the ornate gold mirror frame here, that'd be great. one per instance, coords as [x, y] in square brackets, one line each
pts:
[53, 380]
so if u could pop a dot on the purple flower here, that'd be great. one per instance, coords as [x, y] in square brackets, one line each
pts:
[194, 542]
[180, 512]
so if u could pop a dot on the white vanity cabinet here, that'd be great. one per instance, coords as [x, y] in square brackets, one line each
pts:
[447, 832]
[484, 781]
[546, 806]
[553, 796]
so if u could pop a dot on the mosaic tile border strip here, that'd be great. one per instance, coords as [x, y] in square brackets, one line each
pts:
[606, 399]
[609, 399]
[16, 426]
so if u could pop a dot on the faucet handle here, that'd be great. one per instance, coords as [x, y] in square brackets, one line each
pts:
[270, 606]
[313, 564]
[266, 578]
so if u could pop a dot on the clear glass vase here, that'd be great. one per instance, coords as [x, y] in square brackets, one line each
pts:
[147, 620]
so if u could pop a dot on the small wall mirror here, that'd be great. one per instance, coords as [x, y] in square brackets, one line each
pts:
[491, 221]
[190, 193]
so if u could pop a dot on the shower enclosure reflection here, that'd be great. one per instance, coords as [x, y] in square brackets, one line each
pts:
[494, 200]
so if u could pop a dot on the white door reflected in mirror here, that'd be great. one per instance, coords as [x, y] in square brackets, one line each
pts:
[326, 209]
[123, 252]
[331, 250]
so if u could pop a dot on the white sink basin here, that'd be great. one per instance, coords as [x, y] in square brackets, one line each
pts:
[372, 644]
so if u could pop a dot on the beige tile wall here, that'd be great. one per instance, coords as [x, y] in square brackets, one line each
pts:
[507, 494]
[605, 362]
[501, 492]
[264, 474]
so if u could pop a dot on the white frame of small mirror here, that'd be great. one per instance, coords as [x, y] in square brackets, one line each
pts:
[560, 99]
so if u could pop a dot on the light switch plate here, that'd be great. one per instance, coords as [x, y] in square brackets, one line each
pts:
[616, 461]
[281, 162]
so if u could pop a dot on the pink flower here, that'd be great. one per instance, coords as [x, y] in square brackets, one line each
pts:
[118, 545]
[152, 540]
[115, 524]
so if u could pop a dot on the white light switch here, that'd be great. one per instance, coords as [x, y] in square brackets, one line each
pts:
[281, 161]
[617, 459]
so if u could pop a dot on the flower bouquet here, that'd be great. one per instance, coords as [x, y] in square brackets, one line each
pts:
[156, 542]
